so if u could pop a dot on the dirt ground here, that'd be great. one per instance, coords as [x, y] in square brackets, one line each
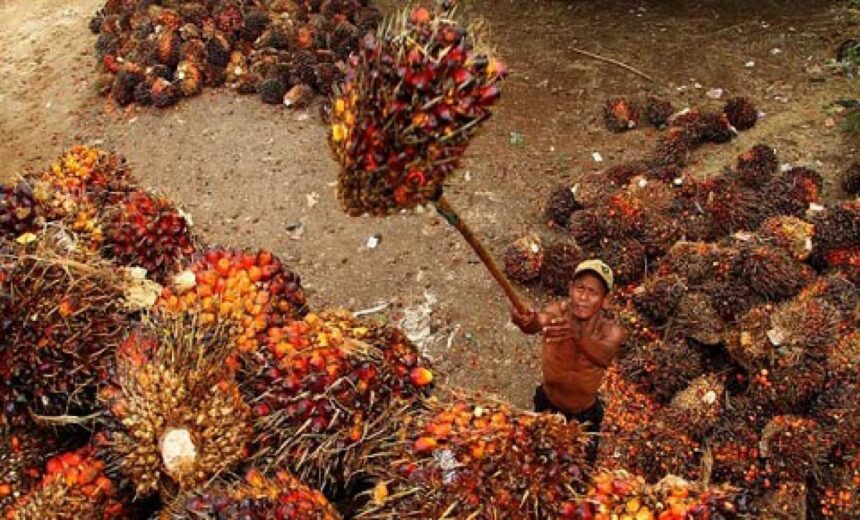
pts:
[253, 175]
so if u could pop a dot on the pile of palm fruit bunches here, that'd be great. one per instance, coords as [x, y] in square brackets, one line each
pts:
[156, 52]
[740, 292]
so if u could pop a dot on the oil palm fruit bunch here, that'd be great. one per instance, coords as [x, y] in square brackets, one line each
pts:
[772, 272]
[732, 207]
[618, 494]
[791, 192]
[252, 289]
[65, 313]
[627, 258]
[837, 290]
[700, 262]
[658, 111]
[662, 368]
[585, 227]
[524, 258]
[559, 262]
[559, 206]
[698, 320]
[622, 174]
[731, 299]
[622, 214]
[74, 485]
[659, 232]
[790, 233]
[839, 497]
[19, 212]
[734, 445]
[478, 459]
[851, 180]
[326, 390]
[146, 230]
[786, 501]
[256, 497]
[23, 453]
[659, 296]
[756, 166]
[793, 447]
[697, 408]
[620, 114]
[177, 417]
[741, 113]
[413, 97]
[836, 407]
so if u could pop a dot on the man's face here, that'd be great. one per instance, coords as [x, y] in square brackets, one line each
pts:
[587, 295]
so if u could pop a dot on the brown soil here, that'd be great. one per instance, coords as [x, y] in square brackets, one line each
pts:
[253, 175]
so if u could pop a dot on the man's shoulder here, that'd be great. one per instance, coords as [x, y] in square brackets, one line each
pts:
[613, 331]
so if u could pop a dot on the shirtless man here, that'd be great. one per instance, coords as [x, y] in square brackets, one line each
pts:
[579, 343]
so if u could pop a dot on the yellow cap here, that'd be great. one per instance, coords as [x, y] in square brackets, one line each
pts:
[599, 268]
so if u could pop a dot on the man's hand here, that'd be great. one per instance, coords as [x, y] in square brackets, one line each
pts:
[526, 321]
[559, 329]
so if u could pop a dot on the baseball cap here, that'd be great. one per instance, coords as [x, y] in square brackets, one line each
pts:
[599, 268]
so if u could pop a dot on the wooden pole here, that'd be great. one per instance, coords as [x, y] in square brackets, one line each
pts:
[450, 215]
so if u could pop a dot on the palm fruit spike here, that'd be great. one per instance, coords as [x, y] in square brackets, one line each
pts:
[23, 453]
[794, 447]
[659, 297]
[662, 368]
[524, 258]
[177, 416]
[257, 497]
[255, 290]
[756, 166]
[74, 486]
[413, 97]
[772, 272]
[698, 320]
[787, 502]
[147, 231]
[326, 391]
[620, 114]
[851, 180]
[790, 233]
[559, 206]
[478, 459]
[741, 113]
[618, 494]
[559, 263]
[65, 314]
[697, 408]
[658, 111]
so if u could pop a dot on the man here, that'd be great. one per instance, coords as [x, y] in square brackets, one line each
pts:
[579, 343]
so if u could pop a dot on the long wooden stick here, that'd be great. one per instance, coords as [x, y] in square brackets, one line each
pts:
[613, 62]
[450, 215]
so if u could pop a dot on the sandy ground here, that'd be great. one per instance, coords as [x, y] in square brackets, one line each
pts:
[253, 175]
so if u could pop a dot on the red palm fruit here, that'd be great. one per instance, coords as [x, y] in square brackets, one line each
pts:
[741, 113]
[658, 111]
[793, 447]
[620, 114]
[524, 258]
[756, 166]
[480, 459]
[839, 496]
[559, 262]
[23, 453]
[658, 297]
[257, 497]
[734, 445]
[559, 206]
[847, 261]
[622, 215]
[74, 485]
[177, 418]
[147, 231]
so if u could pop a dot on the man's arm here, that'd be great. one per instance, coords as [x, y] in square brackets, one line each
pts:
[601, 351]
[533, 321]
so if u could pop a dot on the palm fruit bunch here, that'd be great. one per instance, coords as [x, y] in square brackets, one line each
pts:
[731, 299]
[478, 459]
[585, 227]
[790, 233]
[627, 258]
[560, 205]
[559, 263]
[839, 497]
[756, 166]
[772, 272]
[851, 180]
[731, 207]
[19, 212]
[659, 297]
[658, 232]
[618, 494]
[327, 389]
[622, 214]
[280, 496]
[620, 114]
[64, 314]
[635, 438]
[697, 408]
[23, 453]
[147, 231]
[837, 290]
[793, 447]
[658, 111]
[791, 192]
[741, 113]
[687, 131]
[74, 485]
[156, 53]
[177, 417]
[837, 233]
[414, 95]
[734, 445]
[788, 501]
[524, 258]
[700, 262]
[253, 290]
[662, 368]
[622, 174]
[836, 407]
[748, 343]
[698, 320]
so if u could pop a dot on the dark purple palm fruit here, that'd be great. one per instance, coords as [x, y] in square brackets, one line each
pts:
[851, 180]
[559, 262]
[756, 166]
[344, 39]
[741, 113]
[560, 205]
[620, 114]
[272, 91]
[127, 79]
[19, 212]
[256, 21]
[303, 67]
[524, 258]
[658, 111]
[715, 128]
[217, 49]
